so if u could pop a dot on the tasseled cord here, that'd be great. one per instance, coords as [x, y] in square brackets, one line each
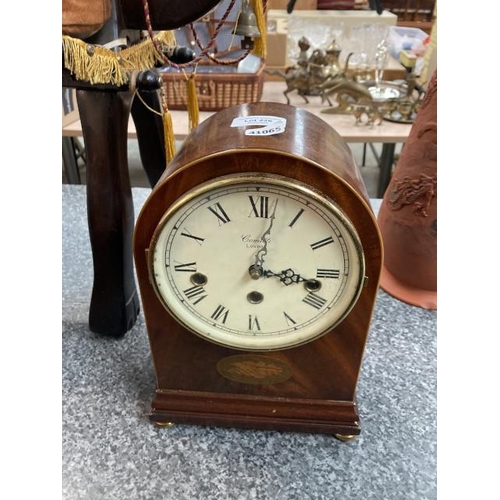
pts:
[260, 44]
[168, 129]
[192, 102]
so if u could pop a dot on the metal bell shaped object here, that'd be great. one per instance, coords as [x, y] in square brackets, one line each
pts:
[247, 26]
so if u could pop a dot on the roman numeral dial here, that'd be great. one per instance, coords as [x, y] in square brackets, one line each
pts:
[256, 264]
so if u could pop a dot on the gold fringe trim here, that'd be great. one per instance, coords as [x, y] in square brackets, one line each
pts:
[96, 64]
[260, 44]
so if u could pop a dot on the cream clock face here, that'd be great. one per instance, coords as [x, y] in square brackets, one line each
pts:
[256, 262]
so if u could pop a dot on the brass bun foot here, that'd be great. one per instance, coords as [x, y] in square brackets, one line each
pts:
[165, 425]
[345, 437]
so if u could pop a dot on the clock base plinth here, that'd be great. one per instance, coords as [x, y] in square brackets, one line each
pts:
[338, 418]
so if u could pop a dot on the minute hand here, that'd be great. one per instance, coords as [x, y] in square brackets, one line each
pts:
[259, 257]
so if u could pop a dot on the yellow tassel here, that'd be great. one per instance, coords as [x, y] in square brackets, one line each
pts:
[192, 103]
[168, 128]
[168, 133]
[260, 45]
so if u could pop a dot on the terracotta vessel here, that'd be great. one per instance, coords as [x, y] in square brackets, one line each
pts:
[408, 214]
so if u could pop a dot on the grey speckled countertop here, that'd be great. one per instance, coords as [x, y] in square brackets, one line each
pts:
[111, 450]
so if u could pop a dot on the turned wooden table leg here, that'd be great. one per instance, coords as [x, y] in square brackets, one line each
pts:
[114, 305]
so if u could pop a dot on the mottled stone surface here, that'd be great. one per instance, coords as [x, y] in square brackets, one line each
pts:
[111, 450]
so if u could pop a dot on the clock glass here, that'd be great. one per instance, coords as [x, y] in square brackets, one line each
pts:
[256, 262]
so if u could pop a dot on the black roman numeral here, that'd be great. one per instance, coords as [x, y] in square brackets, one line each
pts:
[218, 211]
[260, 206]
[322, 243]
[195, 293]
[220, 314]
[314, 300]
[253, 323]
[187, 234]
[188, 267]
[296, 218]
[289, 321]
[328, 273]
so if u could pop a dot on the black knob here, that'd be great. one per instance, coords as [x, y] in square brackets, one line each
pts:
[179, 55]
[149, 80]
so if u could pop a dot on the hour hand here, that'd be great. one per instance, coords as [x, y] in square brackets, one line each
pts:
[287, 277]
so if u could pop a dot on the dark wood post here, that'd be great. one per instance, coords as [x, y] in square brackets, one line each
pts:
[114, 304]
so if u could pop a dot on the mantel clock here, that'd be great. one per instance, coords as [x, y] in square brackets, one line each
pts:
[258, 259]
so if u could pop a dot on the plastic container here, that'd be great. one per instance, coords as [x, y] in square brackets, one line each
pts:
[412, 39]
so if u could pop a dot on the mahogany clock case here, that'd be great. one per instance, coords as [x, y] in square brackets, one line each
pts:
[319, 392]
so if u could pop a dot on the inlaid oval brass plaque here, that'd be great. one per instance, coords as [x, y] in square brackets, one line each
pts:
[254, 369]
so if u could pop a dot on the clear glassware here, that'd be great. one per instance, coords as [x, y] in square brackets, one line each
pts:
[319, 37]
[337, 31]
[381, 55]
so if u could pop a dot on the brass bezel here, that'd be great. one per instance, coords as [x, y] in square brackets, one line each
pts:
[249, 178]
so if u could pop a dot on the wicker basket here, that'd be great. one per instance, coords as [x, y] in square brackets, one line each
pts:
[215, 90]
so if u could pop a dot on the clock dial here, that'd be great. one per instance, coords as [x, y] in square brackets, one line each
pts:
[256, 262]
